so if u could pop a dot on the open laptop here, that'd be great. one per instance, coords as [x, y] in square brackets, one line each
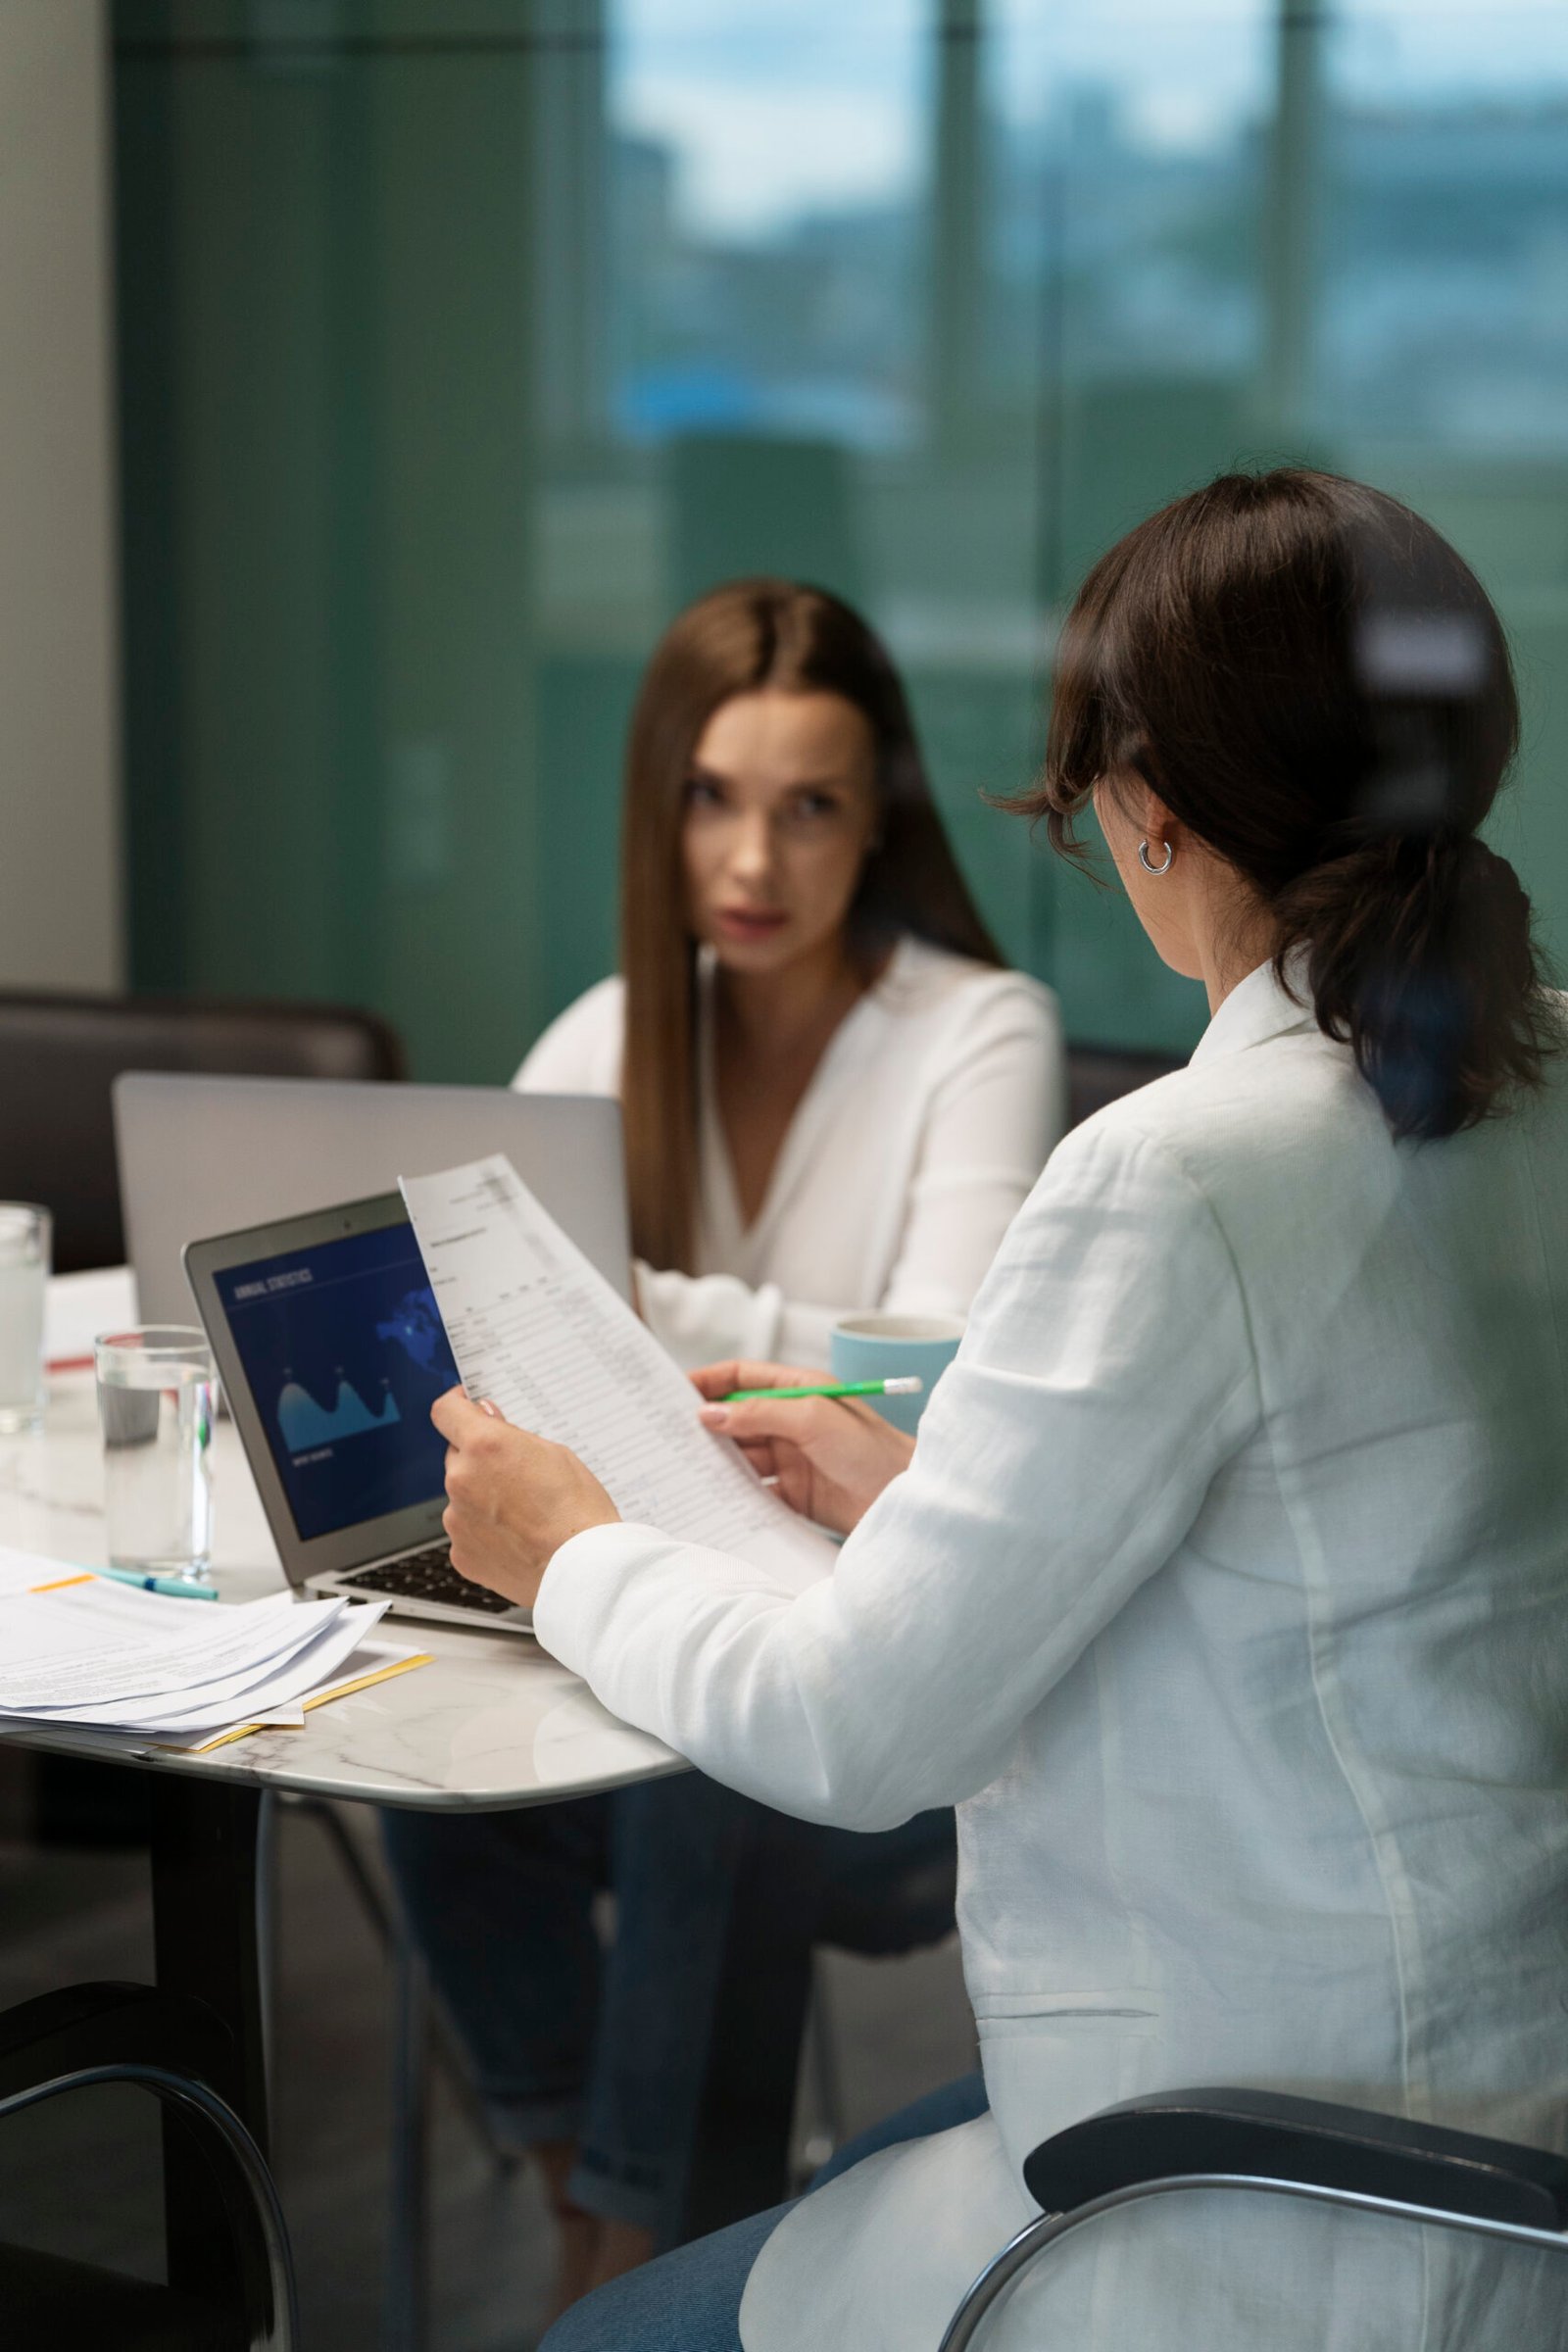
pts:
[331, 1353]
[200, 1155]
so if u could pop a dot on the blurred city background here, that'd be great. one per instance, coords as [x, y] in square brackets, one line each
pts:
[460, 341]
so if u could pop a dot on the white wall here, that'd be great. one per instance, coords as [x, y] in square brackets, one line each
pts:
[61, 917]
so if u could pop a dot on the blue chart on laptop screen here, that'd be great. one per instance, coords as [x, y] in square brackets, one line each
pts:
[344, 1355]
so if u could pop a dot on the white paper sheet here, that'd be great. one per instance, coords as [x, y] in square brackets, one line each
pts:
[61, 1651]
[366, 1658]
[536, 1328]
[97, 1648]
[244, 1699]
[20, 1571]
[365, 1661]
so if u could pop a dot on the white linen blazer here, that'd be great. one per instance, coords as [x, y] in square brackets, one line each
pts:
[926, 1121]
[1227, 1595]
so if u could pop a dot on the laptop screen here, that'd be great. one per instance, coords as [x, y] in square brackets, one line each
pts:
[344, 1353]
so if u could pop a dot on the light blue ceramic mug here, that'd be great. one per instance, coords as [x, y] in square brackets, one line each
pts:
[887, 1347]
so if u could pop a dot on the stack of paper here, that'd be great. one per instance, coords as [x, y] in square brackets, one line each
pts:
[77, 1650]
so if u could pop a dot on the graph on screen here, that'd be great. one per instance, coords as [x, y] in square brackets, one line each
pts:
[345, 1353]
[305, 1424]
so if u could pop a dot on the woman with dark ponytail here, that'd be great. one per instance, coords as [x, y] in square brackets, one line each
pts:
[1298, 676]
[1226, 1590]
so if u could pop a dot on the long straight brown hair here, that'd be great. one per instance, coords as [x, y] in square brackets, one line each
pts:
[743, 636]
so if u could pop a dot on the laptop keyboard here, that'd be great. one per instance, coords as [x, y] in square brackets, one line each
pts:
[429, 1576]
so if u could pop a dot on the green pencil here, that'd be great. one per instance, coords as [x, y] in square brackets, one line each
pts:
[907, 1384]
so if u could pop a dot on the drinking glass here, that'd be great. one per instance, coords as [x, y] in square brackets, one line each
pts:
[25, 1232]
[157, 1402]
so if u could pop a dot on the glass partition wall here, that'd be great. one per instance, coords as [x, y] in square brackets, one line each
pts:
[462, 341]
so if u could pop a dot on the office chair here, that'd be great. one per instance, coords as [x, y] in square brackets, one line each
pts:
[60, 1056]
[237, 2296]
[1266, 2143]
[1100, 1074]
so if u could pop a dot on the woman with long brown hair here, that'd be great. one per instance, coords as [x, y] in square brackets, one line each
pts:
[835, 1098]
[1223, 1590]
[834, 1095]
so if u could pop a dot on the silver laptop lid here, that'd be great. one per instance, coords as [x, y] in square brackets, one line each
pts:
[210, 1155]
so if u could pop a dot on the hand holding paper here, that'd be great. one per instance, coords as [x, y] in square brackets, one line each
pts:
[605, 1426]
[512, 1500]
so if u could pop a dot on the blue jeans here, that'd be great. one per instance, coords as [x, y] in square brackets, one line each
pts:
[609, 2048]
[569, 2041]
[690, 2301]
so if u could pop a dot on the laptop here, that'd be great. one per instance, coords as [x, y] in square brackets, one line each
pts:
[331, 1353]
[200, 1154]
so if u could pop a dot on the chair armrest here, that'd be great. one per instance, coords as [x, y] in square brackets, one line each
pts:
[111, 2025]
[176, 2049]
[1269, 2136]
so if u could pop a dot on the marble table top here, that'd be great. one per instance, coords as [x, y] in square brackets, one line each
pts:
[490, 1722]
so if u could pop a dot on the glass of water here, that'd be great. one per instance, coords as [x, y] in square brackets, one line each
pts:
[25, 1241]
[157, 1402]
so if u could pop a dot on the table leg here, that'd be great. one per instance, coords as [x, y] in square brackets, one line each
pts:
[204, 1937]
[406, 2314]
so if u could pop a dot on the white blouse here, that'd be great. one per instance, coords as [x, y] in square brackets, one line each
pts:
[1227, 1595]
[926, 1121]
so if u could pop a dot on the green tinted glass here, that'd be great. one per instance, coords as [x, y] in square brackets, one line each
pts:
[462, 344]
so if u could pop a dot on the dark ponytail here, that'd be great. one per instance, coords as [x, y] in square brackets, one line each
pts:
[1317, 687]
[1417, 954]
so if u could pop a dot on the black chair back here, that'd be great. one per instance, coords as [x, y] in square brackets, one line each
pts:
[1099, 1074]
[231, 2284]
[60, 1056]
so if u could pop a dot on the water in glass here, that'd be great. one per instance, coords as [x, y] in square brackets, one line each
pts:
[157, 1402]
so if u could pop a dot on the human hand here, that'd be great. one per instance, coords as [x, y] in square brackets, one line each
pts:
[512, 1500]
[831, 1455]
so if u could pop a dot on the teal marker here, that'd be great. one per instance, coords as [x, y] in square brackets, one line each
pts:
[175, 1585]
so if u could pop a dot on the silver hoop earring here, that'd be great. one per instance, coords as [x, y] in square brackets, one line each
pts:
[1150, 868]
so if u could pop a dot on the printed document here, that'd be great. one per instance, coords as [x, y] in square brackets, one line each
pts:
[76, 1648]
[211, 1706]
[536, 1329]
